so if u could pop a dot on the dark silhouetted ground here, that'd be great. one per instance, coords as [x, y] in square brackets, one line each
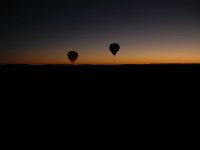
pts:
[101, 107]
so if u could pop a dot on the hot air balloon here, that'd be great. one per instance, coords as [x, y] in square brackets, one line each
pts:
[72, 56]
[114, 48]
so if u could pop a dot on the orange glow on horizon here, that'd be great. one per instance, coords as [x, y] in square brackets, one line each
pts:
[126, 55]
[109, 60]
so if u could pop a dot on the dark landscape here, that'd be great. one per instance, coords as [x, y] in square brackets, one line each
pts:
[102, 106]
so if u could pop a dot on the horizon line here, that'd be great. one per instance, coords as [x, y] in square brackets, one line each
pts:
[104, 64]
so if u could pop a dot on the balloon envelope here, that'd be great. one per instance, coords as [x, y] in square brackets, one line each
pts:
[72, 56]
[114, 48]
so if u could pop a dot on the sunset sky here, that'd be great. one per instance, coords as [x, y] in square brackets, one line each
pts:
[148, 31]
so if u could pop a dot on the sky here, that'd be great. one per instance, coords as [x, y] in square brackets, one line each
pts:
[148, 31]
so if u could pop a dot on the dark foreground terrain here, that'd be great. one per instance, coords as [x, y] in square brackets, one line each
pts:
[101, 107]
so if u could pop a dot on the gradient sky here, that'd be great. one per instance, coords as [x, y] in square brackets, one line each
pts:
[148, 31]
